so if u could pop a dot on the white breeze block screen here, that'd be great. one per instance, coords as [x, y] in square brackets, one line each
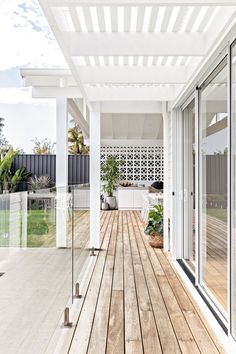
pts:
[141, 163]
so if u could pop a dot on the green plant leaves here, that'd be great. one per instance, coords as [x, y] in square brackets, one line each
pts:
[110, 174]
[7, 181]
[20, 175]
[155, 220]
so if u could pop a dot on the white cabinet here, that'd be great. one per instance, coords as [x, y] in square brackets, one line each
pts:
[125, 199]
[130, 199]
[138, 199]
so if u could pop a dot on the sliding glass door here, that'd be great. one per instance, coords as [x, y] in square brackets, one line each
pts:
[189, 228]
[209, 189]
[213, 186]
[233, 188]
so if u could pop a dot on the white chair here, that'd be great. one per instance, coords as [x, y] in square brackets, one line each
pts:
[149, 201]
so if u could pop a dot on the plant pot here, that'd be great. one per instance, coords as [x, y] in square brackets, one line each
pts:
[156, 240]
[105, 206]
[111, 202]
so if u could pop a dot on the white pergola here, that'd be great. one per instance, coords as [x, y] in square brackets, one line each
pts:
[125, 57]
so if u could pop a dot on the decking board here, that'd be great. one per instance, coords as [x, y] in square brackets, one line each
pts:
[135, 302]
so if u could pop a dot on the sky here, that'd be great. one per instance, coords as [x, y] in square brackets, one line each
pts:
[25, 41]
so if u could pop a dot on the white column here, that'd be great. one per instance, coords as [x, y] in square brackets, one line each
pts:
[61, 142]
[177, 185]
[94, 179]
[166, 180]
[61, 171]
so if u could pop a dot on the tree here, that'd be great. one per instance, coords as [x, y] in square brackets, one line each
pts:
[76, 141]
[4, 145]
[43, 147]
[1, 124]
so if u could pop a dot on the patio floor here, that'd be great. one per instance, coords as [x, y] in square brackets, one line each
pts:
[35, 289]
[135, 302]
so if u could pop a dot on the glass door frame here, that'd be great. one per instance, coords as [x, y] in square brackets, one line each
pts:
[224, 317]
[186, 192]
[226, 320]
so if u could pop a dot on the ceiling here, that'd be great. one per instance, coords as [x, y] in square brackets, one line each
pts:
[139, 51]
[132, 126]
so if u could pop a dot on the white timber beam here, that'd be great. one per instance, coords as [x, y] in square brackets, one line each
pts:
[168, 93]
[52, 80]
[95, 141]
[143, 2]
[25, 72]
[124, 74]
[54, 92]
[47, 10]
[130, 107]
[61, 171]
[78, 117]
[79, 43]
[137, 74]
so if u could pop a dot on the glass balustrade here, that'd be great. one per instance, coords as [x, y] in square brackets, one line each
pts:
[44, 240]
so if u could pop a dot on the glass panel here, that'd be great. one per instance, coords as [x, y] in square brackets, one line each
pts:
[233, 183]
[36, 262]
[189, 184]
[81, 231]
[213, 149]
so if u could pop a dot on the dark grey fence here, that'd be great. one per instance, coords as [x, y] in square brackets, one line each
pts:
[216, 174]
[216, 183]
[38, 165]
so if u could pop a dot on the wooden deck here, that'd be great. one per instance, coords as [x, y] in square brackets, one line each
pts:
[214, 246]
[135, 302]
[215, 270]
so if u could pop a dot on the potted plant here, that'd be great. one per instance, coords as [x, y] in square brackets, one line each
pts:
[155, 226]
[110, 176]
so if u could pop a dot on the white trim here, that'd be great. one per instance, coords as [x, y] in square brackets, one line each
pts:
[229, 190]
[196, 187]
[95, 179]
[188, 101]
[177, 198]
[179, 184]
[166, 178]
[131, 142]
[143, 2]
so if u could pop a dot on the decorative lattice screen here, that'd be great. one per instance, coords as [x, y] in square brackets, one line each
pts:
[141, 163]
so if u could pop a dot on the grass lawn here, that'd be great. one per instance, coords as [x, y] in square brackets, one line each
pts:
[218, 213]
[41, 228]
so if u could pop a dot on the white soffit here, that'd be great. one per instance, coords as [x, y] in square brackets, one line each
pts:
[121, 50]
[132, 126]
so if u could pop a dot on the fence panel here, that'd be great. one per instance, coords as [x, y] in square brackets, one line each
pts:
[39, 165]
